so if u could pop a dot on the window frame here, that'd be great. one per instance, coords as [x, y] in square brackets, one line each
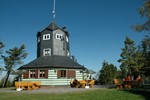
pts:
[38, 39]
[63, 73]
[47, 52]
[46, 37]
[68, 53]
[67, 39]
[32, 74]
[42, 73]
[59, 36]
[35, 73]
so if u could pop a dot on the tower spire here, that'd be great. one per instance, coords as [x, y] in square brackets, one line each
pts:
[53, 12]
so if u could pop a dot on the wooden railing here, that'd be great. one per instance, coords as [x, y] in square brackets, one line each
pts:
[28, 85]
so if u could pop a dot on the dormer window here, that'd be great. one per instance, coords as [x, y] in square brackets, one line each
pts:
[47, 52]
[59, 36]
[46, 37]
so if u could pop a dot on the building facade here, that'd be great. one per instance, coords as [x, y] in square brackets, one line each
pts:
[54, 65]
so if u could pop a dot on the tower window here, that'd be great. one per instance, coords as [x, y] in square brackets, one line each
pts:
[68, 53]
[59, 36]
[46, 37]
[38, 39]
[47, 52]
[67, 39]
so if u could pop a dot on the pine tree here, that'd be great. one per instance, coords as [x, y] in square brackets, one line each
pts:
[107, 73]
[1, 46]
[15, 57]
[127, 57]
[146, 54]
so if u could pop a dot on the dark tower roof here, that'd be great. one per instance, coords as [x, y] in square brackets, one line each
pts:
[52, 26]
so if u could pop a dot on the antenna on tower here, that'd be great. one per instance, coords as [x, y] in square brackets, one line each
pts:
[53, 12]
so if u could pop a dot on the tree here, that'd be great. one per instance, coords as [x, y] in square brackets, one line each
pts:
[107, 73]
[144, 11]
[127, 59]
[146, 53]
[139, 63]
[1, 46]
[15, 57]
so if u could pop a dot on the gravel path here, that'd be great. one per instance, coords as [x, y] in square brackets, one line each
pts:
[57, 90]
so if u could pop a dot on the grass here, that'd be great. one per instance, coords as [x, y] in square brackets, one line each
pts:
[101, 94]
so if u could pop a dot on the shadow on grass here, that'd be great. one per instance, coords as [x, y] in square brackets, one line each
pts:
[143, 92]
[8, 88]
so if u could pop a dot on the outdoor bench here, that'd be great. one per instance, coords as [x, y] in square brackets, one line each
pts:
[28, 85]
[82, 83]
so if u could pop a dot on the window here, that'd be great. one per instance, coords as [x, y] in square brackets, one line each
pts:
[47, 52]
[66, 73]
[38, 39]
[42, 74]
[46, 37]
[67, 39]
[59, 36]
[63, 73]
[68, 53]
[32, 73]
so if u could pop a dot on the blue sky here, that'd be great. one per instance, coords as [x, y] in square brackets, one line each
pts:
[97, 27]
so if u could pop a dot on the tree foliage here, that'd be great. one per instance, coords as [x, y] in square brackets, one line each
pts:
[144, 11]
[127, 59]
[107, 73]
[132, 59]
[145, 46]
[1, 46]
[13, 58]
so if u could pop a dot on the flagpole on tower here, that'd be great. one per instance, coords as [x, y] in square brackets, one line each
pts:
[53, 12]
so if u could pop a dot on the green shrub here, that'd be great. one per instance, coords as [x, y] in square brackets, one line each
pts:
[8, 84]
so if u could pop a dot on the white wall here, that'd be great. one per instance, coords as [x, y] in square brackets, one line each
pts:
[53, 80]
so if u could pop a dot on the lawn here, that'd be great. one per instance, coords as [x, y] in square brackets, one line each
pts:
[100, 94]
